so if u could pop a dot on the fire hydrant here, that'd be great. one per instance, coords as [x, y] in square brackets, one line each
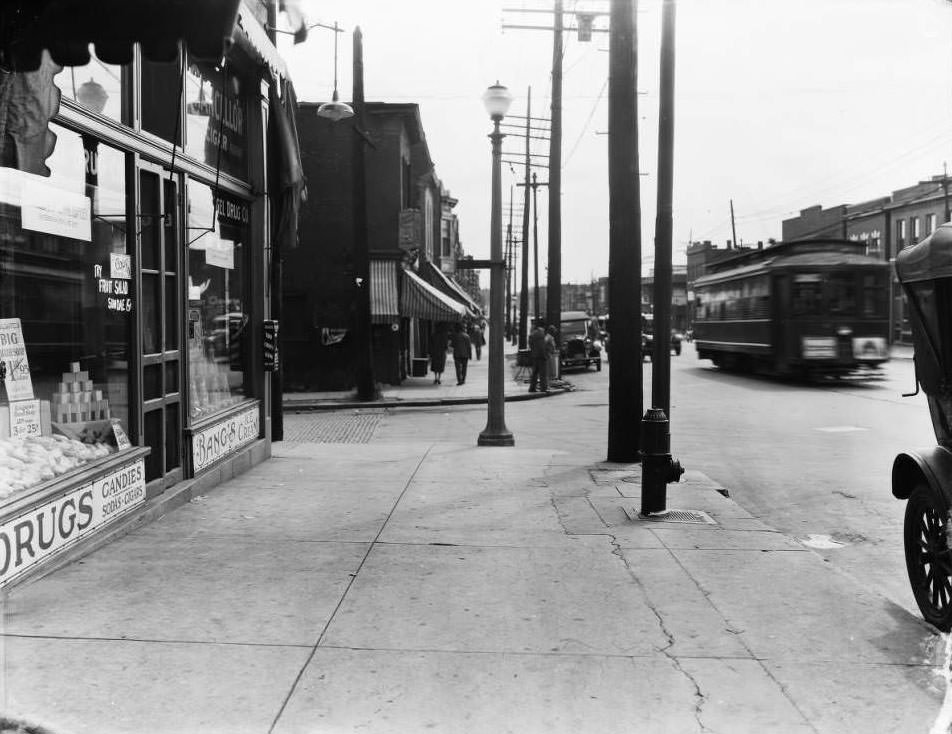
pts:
[657, 466]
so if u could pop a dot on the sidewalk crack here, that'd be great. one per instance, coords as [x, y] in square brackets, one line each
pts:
[699, 698]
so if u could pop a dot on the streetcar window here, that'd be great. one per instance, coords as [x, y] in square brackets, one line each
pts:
[807, 298]
[874, 296]
[842, 289]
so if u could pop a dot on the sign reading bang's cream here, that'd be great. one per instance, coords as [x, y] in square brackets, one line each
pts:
[215, 443]
[51, 210]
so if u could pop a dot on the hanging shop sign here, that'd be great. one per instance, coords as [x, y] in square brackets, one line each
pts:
[216, 442]
[51, 210]
[52, 527]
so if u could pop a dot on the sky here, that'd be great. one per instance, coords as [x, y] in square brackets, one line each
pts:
[779, 105]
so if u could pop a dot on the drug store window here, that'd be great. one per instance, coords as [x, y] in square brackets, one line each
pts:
[218, 320]
[66, 310]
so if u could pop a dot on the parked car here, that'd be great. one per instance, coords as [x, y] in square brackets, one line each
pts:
[647, 337]
[580, 341]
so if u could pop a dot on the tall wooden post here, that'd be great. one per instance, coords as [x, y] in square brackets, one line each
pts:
[625, 400]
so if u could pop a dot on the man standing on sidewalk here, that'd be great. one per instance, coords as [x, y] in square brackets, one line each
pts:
[537, 352]
[462, 352]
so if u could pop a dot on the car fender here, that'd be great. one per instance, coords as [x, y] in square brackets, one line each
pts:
[932, 466]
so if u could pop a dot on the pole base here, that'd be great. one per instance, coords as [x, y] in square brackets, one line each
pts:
[496, 438]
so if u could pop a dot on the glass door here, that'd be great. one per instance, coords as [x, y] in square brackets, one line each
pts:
[160, 364]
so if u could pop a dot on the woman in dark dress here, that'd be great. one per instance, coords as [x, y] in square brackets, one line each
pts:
[438, 353]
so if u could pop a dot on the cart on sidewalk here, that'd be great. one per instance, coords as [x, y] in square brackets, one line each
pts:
[923, 477]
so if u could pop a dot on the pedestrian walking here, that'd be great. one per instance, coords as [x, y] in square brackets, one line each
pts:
[462, 353]
[478, 339]
[552, 352]
[540, 367]
[438, 353]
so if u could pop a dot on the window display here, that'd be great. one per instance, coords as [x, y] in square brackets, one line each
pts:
[65, 313]
[218, 326]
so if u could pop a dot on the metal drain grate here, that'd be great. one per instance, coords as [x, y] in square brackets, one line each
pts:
[330, 428]
[692, 517]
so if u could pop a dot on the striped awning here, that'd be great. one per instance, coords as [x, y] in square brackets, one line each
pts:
[384, 304]
[439, 280]
[421, 300]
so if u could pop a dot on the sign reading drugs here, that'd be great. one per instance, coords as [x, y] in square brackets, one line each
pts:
[16, 376]
[56, 525]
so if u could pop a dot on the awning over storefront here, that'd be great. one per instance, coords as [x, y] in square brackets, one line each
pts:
[384, 302]
[439, 280]
[255, 36]
[66, 28]
[422, 301]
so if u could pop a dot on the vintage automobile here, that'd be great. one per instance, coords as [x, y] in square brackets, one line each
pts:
[923, 477]
[647, 337]
[580, 341]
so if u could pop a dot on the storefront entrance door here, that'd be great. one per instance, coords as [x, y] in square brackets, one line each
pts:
[160, 365]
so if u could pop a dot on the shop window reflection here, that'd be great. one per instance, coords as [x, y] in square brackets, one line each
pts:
[218, 326]
[66, 291]
[97, 87]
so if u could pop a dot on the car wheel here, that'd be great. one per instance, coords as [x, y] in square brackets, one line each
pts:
[928, 559]
[677, 350]
[598, 366]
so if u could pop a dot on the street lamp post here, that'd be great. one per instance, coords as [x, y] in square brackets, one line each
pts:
[497, 100]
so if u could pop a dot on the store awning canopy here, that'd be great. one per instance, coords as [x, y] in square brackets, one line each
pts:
[384, 301]
[66, 28]
[439, 280]
[422, 301]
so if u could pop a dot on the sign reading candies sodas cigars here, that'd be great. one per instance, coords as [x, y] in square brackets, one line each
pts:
[56, 525]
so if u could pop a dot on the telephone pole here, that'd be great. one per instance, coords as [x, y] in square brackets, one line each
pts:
[584, 27]
[524, 290]
[625, 399]
[553, 306]
[733, 228]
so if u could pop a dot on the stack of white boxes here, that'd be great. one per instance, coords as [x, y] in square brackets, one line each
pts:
[76, 400]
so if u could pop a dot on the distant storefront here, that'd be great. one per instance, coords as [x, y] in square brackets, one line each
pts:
[133, 263]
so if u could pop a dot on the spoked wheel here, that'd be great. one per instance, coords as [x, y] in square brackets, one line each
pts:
[928, 559]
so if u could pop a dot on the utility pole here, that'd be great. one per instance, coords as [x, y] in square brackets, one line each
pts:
[733, 228]
[277, 286]
[553, 308]
[509, 270]
[661, 358]
[535, 238]
[524, 290]
[625, 400]
[585, 19]
[366, 387]
[657, 466]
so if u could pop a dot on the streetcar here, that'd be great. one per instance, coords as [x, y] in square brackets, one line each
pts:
[803, 308]
[923, 477]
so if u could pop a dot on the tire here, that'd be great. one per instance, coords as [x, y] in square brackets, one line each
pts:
[677, 350]
[598, 366]
[928, 559]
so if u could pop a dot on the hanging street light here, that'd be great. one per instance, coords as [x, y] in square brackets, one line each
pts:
[335, 110]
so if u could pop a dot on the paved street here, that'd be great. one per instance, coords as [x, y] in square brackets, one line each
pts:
[383, 574]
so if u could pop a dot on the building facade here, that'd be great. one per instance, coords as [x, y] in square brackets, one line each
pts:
[412, 238]
[133, 311]
[886, 224]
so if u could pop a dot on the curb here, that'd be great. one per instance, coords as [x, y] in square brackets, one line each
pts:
[303, 406]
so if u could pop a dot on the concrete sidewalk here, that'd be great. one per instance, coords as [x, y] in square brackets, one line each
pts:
[407, 585]
[422, 391]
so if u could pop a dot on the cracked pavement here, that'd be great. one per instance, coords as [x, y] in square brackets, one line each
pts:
[418, 584]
